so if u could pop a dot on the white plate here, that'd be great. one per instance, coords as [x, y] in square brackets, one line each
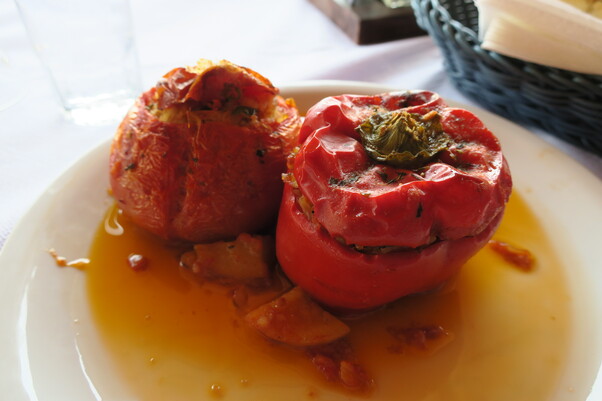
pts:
[43, 311]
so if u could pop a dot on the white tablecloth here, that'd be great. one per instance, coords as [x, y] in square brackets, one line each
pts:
[284, 40]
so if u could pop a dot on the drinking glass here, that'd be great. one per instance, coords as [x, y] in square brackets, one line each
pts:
[88, 49]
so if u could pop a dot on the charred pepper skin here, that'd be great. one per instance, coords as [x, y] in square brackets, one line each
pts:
[357, 233]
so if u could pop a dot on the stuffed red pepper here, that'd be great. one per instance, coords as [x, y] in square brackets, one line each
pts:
[387, 195]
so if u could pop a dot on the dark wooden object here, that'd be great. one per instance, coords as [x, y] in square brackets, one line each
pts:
[370, 21]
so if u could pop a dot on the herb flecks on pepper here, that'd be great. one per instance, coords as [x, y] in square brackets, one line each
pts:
[402, 139]
[356, 232]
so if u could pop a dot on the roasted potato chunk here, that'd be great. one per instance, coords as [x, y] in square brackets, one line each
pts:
[295, 319]
[247, 260]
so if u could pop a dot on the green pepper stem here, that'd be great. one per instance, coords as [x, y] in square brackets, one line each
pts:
[402, 139]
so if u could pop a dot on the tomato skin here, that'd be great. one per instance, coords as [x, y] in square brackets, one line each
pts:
[209, 176]
[345, 279]
[430, 220]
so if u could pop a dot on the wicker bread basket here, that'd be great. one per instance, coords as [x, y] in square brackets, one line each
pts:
[564, 103]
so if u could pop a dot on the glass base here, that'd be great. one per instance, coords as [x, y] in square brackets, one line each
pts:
[13, 87]
[99, 111]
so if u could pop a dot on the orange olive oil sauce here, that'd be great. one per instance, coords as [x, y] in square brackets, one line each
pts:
[171, 338]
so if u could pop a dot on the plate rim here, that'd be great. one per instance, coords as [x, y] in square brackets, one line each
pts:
[14, 280]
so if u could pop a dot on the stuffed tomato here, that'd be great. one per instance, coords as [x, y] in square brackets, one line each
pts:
[199, 156]
[387, 195]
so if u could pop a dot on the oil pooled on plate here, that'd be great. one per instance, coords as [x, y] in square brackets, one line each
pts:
[170, 338]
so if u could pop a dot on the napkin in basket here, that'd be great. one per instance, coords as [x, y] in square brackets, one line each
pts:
[548, 32]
